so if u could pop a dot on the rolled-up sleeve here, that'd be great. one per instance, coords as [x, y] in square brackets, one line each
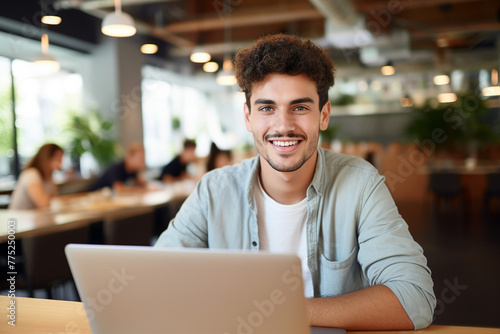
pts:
[389, 256]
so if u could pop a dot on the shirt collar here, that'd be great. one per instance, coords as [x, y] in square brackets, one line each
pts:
[316, 185]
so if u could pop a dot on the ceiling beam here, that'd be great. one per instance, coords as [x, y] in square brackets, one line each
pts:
[458, 28]
[259, 17]
[173, 39]
[100, 4]
[366, 6]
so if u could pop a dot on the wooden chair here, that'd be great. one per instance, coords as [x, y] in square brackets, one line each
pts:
[446, 187]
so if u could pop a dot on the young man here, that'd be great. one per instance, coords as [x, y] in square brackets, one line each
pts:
[361, 267]
[176, 170]
[123, 176]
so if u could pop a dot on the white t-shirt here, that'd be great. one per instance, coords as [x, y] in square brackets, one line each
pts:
[282, 229]
[20, 199]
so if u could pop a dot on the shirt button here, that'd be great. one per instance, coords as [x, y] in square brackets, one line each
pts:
[254, 243]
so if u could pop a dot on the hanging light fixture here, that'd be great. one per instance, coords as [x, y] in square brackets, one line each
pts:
[48, 13]
[210, 67]
[441, 79]
[118, 23]
[200, 56]
[45, 60]
[388, 70]
[51, 20]
[447, 97]
[149, 49]
[494, 76]
[226, 76]
[406, 101]
[494, 89]
[491, 91]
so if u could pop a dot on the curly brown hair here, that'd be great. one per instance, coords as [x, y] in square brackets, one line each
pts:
[284, 54]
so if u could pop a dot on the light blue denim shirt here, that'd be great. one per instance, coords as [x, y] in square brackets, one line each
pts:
[356, 237]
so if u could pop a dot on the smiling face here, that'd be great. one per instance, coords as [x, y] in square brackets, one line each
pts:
[285, 121]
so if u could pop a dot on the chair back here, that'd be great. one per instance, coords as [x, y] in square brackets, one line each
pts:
[130, 229]
[445, 184]
[44, 259]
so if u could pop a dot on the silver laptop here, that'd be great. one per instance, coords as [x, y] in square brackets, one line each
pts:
[133, 289]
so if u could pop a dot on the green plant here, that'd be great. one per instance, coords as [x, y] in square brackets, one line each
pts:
[330, 133]
[458, 125]
[176, 123]
[91, 133]
[6, 139]
[343, 100]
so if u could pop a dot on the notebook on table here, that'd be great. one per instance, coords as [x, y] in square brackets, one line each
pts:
[134, 289]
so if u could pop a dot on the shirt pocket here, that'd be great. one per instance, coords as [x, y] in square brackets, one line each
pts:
[340, 277]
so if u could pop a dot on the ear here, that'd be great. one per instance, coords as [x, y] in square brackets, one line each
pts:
[246, 112]
[325, 116]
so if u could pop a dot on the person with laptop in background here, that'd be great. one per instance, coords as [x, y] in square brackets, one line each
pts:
[124, 176]
[177, 169]
[361, 267]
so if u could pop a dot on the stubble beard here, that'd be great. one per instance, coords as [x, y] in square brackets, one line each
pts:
[283, 168]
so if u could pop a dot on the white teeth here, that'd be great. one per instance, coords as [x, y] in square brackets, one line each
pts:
[285, 143]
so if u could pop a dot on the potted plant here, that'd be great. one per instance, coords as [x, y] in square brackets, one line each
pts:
[462, 126]
[327, 136]
[89, 132]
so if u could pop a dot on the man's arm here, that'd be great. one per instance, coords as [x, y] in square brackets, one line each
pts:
[389, 257]
[373, 308]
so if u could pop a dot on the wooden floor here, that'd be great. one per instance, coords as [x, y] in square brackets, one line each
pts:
[463, 251]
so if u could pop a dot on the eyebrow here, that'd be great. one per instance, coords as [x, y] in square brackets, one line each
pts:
[296, 101]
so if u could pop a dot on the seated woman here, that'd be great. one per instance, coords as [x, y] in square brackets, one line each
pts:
[35, 186]
[218, 158]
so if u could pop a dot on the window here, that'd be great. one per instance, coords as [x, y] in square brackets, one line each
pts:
[175, 107]
[42, 102]
[6, 122]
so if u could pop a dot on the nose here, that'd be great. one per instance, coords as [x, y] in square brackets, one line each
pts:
[284, 122]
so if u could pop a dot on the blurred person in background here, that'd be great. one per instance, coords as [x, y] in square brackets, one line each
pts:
[176, 170]
[124, 176]
[35, 186]
[218, 158]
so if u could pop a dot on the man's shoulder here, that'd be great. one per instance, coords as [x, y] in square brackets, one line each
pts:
[236, 175]
[339, 161]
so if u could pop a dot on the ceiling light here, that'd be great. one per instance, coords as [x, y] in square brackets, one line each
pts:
[226, 76]
[210, 67]
[494, 76]
[447, 97]
[149, 49]
[491, 91]
[51, 20]
[45, 60]
[442, 79]
[118, 23]
[442, 42]
[406, 102]
[388, 70]
[200, 56]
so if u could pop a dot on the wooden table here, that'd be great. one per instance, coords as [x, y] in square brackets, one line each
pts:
[35, 316]
[74, 211]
